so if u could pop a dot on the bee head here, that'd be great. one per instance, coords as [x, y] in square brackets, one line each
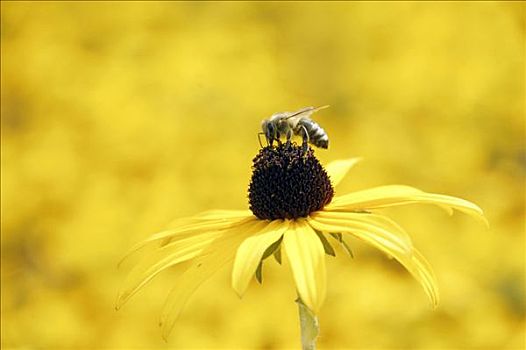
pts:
[269, 129]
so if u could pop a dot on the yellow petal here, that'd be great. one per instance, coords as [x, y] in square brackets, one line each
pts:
[392, 244]
[190, 227]
[203, 267]
[307, 260]
[394, 195]
[217, 215]
[207, 221]
[251, 251]
[337, 169]
[423, 273]
[161, 259]
[220, 214]
[376, 236]
[370, 221]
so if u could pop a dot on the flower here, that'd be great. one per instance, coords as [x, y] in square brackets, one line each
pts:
[292, 208]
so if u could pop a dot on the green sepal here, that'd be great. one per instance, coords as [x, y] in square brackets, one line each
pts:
[277, 255]
[339, 238]
[272, 248]
[259, 272]
[329, 250]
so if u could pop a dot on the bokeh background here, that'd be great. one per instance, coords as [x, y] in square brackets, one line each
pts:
[118, 117]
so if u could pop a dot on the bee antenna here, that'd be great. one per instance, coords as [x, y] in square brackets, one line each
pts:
[259, 138]
[308, 109]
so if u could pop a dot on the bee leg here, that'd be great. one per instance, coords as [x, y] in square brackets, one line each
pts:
[278, 138]
[306, 139]
[259, 139]
[289, 136]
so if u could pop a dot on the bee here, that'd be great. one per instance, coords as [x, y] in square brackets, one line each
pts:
[295, 123]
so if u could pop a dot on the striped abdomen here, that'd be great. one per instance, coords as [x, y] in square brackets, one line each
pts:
[317, 136]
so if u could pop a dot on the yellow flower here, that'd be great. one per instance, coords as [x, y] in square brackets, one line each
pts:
[292, 209]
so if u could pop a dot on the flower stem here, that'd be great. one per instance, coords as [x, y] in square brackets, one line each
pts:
[310, 328]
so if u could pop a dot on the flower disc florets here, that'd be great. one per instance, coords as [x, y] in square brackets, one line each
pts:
[288, 183]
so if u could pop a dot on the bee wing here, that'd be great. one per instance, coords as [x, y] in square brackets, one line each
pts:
[304, 112]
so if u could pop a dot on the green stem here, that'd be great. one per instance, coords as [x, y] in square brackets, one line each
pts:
[310, 327]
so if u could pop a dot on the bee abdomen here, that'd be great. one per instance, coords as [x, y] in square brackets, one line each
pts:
[317, 136]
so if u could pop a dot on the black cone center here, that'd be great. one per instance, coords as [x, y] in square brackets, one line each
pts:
[287, 183]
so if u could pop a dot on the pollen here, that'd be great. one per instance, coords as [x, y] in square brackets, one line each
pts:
[288, 183]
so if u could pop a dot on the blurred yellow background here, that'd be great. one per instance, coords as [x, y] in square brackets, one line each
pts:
[118, 117]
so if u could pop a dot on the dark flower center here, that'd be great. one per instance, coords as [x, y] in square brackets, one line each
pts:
[287, 183]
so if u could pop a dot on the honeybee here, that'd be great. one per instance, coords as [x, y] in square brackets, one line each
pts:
[295, 123]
